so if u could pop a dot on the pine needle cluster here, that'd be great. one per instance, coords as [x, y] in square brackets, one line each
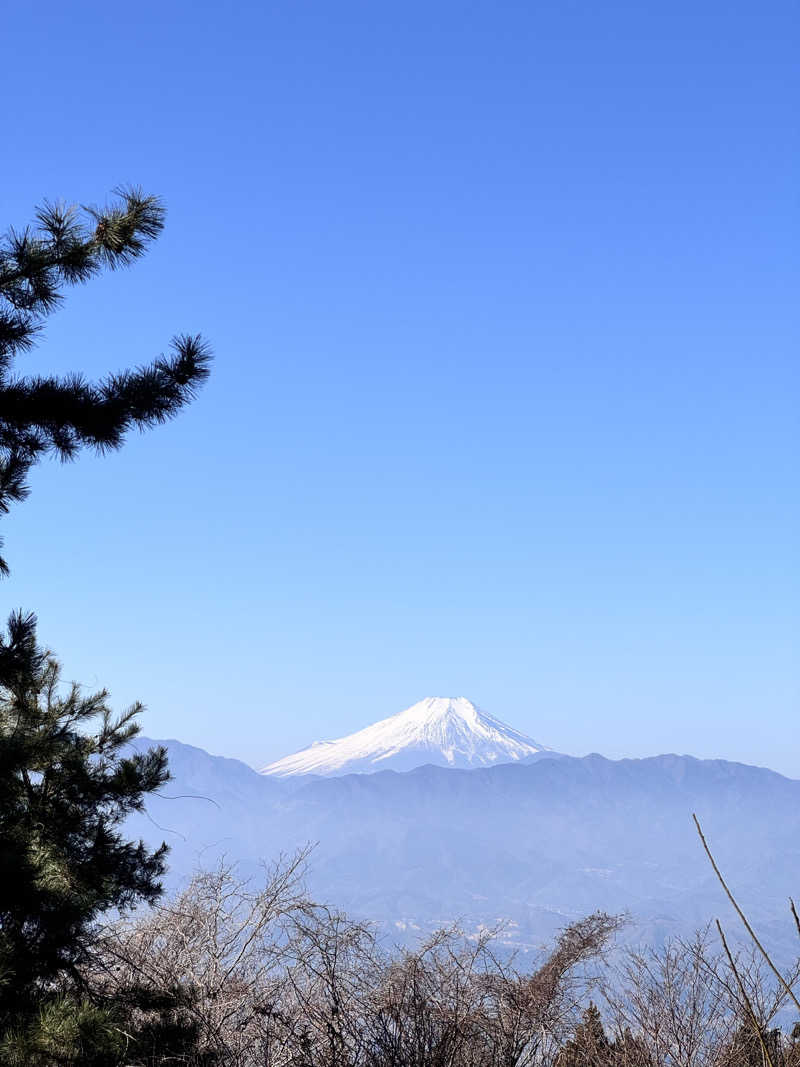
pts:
[46, 414]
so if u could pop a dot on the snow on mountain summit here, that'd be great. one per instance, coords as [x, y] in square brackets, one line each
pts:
[447, 731]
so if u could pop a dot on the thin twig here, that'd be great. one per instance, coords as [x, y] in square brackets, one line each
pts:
[745, 998]
[743, 917]
[794, 915]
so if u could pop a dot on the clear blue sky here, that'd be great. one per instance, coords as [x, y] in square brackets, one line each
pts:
[504, 299]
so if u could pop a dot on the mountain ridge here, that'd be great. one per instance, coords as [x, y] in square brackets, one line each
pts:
[537, 844]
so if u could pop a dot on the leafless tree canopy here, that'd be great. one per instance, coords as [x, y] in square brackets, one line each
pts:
[258, 975]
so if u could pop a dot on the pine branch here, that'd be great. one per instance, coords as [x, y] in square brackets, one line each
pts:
[43, 415]
[68, 252]
[64, 414]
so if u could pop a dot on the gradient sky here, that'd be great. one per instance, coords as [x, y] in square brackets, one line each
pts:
[505, 402]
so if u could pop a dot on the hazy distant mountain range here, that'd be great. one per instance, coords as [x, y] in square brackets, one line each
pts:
[535, 843]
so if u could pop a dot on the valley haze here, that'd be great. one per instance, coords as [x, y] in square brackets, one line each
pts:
[459, 817]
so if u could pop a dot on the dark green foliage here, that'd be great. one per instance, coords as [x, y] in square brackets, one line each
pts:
[162, 1026]
[629, 1051]
[65, 788]
[747, 1048]
[65, 784]
[41, 415]
[589, 1046]
[64, 1032]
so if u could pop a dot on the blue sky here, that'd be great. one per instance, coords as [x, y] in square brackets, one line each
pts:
[504, 305]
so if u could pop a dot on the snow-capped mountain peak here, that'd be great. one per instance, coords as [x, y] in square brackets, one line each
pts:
[448, 731]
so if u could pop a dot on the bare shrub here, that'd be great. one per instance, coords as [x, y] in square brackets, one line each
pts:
[240, 974]
[672, 1001]
[451, 1002]
[690, 1004]
[205, 972]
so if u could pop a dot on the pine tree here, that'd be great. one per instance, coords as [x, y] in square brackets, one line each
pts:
[589, 1046]
[43, 415]
[747, 1048]
[65, 784]
[630, 1051]
[65, 788]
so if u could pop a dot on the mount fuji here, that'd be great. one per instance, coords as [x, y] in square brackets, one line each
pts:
[444, 731]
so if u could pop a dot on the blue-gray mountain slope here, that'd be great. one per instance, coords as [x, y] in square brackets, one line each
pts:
[537, 844]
